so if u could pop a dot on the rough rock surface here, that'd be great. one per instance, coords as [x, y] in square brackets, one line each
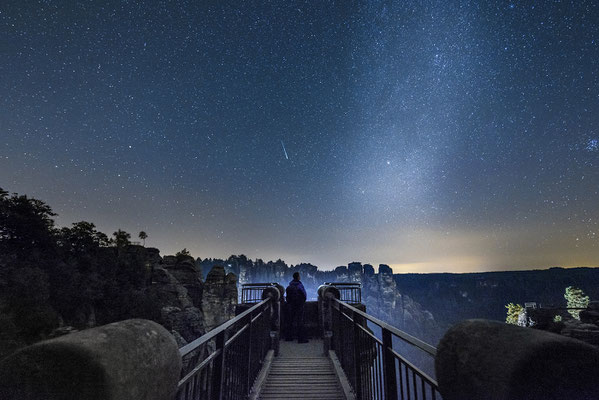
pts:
[171, 292]
[587, 332]
[188, 322]
[132, 359]
[177, 309]
[482, 359]
[185, 271]
[585, 329]
[383, 300]
[219, 298]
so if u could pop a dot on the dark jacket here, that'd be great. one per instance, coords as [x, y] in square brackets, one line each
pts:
[296, 286]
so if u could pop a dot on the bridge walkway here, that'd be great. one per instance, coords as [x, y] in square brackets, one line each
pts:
[301, 371]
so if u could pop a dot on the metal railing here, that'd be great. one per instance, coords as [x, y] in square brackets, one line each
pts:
[224, 363]
[374, 368]
[350, 292]
[252, 292]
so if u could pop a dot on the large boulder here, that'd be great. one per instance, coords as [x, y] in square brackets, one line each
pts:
[481, 359]
[591, 314]
[132, 359]
[587, 332]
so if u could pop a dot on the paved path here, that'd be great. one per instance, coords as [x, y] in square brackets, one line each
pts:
[301, 371]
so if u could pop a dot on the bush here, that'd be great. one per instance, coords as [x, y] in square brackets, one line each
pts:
[576, 299]
[513, 311]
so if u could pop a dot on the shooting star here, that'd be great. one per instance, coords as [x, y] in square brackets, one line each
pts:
[285, 151]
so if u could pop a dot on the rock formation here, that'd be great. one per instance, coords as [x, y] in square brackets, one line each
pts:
[185, 271]
[219, 297]
[380, 293]
[384, 301]
[187, 306]
[177, 310]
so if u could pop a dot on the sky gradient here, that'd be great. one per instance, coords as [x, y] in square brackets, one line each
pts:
[428, 135]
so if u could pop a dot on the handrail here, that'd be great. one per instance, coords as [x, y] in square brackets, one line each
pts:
[343, 283]
[188, 348]
[375, 369]
[401, 334]
[350, 292]
[259, 284]
[224, 363]
[252, 292]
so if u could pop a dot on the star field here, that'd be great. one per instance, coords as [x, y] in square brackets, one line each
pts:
[431, 136]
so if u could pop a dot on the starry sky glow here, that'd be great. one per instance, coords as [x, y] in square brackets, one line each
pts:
[428, 135]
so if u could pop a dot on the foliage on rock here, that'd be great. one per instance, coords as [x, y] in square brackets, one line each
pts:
[513, 313]
[576, 299]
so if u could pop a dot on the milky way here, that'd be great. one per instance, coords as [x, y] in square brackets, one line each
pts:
[432, 136]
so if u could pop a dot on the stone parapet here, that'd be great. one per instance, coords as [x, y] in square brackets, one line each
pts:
[481, 359]
[132, 359]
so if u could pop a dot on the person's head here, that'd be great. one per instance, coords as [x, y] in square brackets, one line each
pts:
[296, 276]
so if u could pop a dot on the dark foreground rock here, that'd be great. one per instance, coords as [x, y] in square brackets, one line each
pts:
[132, 359]
[481, 359]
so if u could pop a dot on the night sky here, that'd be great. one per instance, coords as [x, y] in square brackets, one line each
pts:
[427, 135]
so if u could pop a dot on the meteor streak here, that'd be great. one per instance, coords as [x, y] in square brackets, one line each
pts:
[285, 151]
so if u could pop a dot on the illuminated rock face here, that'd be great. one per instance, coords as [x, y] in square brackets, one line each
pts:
[384, 301]
[380, 293]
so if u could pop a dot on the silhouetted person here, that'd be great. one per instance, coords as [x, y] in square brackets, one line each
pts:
[296, 298]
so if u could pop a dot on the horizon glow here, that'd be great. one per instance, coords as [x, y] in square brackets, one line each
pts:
[446, 137]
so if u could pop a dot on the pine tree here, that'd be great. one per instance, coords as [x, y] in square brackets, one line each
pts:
[513, 311]
[143, 236]
[121, 238]
[576, 299]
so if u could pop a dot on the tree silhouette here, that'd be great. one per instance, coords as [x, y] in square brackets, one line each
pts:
[81, 238]
[26, 228]
[121, 238]
[143, 236]
[182, 254]
[68, 275]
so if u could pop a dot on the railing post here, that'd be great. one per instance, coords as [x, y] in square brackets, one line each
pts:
[357, 369]
[218, 370]
[389, 366]
[274, 306]
[275, 332]
[326, 296]
[327, 323]
[250, 346]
